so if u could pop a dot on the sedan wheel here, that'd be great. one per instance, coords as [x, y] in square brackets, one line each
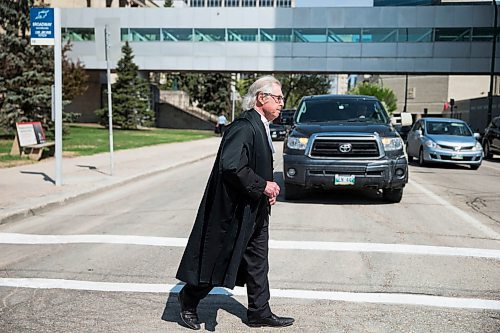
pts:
[421, 161]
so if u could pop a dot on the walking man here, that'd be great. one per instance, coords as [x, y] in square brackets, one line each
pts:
[228, 245]
[221, 124]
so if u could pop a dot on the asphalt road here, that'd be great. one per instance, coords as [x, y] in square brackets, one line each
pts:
[339, 260]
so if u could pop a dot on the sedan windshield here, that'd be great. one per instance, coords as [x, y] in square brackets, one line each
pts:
[345, 110]
[448, 128]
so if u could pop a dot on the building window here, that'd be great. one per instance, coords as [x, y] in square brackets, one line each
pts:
[145, 34]
[214, 3]
[242, 35]
[197, 3]
[415, 35]
[249, 3]
[344, 35]
[79, 34]
[177, 35]
[266, 3]
[482, 34]
[309, 35]
[232, 3]
[283, 3]
[209, 35]
[276, 35]
[379, 35]
[452, 34]
[125, 35]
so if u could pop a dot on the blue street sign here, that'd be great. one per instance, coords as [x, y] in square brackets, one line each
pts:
[42, 26]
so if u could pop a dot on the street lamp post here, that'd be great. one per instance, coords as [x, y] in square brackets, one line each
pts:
[493, 56]
[406, 93]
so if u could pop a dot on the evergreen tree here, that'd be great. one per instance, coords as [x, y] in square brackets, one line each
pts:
[168, 3]
[26, 71]
[385, 95]
[130, 94]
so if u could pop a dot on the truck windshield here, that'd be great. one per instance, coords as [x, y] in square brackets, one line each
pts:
[341, 110]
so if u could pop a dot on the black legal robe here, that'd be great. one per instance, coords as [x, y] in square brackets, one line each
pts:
[232, 201]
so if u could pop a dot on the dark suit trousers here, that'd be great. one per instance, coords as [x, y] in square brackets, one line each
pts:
[254, 265]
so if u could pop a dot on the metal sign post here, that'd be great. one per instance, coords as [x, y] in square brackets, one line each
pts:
[110, 107]
[45, 24]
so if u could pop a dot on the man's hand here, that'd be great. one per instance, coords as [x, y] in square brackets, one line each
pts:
[272, 190]
[272, 201]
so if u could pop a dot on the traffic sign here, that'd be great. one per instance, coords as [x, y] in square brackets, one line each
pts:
[42, 26]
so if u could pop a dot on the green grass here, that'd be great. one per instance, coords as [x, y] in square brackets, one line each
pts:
[84, 140]
[89, 140]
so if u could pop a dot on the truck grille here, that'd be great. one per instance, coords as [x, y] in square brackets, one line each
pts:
[331, 147]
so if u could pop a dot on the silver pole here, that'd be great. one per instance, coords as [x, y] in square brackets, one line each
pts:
[110, 107]
[58, 94]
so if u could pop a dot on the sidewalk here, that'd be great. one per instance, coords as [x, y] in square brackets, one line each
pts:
[28, 189]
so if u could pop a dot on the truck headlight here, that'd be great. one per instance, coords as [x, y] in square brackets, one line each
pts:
[392, 144]
[297, 143]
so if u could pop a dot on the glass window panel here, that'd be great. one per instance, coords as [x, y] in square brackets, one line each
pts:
[344, 35]
[232, 3]
[242, 35]
[283, 3]
[144, 34]
[276, 35]
[415, 35]
[309, 35]
[452, 34]
[197, 3]
[125, 36]
[482, 34]
[177, 35]
[214, 3]
[249, 3]
[266, 3]
[376, 35]
[210, 35]
[79, 34]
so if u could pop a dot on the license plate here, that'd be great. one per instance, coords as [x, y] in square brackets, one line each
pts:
[344, 180]
[457, 157]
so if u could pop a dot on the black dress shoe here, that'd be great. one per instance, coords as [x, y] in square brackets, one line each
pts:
[271, 321]
[189, 317]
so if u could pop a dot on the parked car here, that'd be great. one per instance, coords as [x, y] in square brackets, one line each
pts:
[491, 138]
[278, 131]
[444, 140]
[402, 131]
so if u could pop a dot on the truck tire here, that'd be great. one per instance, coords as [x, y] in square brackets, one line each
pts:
[392, 195]
[293, 191]
[487, 152]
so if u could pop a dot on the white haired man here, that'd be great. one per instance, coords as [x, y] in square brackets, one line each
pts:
[228, 244]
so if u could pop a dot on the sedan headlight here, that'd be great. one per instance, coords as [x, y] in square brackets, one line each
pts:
[297, 143]
[477, 146]
[392, 144]
[431, 144]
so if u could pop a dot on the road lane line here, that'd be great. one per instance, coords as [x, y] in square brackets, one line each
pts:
[460, 213]
[28, 239]
[381, 298]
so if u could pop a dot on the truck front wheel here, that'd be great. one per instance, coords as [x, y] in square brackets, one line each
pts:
[392, 195]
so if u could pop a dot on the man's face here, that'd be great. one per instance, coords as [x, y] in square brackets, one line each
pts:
[272, 103]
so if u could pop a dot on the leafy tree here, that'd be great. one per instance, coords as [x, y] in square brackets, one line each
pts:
[130, 94]
[295, 86]
[210, 91]
[168, 3]
[27, 72]
[385, 95]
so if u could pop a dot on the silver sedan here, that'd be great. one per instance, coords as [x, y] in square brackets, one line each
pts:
[444, 140]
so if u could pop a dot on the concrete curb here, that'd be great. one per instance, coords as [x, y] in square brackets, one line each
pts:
[47, 206]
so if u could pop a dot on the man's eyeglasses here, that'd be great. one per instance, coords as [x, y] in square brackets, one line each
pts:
[277, 98]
